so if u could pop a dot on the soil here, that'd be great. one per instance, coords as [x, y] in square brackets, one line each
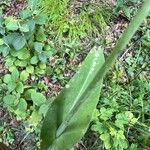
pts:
[14, 7]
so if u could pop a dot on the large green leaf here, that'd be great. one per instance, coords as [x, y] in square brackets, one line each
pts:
[68, 117]
[69, 114]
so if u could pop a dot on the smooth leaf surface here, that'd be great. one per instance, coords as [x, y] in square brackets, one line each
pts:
[24, 14]
[19, 42]
[30, 69]
[5, 51]
[7, 78]
[38, 46]
[9, 100]
[22, 105]
[11, 86]
[11, 24]
[38, 98]
[24, 75]
[34, 60]
[20, 87]
[43, 57]
[15, 75]
[24, 28]
[23, 54]
[68, 101]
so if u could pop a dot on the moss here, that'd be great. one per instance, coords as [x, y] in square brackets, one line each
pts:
[71, 21]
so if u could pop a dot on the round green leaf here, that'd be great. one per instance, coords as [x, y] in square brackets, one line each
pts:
[43, 58]
[23, 54]
[11, 86]
[9, 100]
[20, 87]
[9, 61]
[39, 71]
[21, 109]
[15, 75]
[34, 60]
[7, 78]
[38, 98]
[24, 14]
[19, 42]
[5, 51]
[24, 28]
[12, 68]
[27, 94]
[24, 75]
[38, 46]
[10, 37]
[30, 69]
[31, 24]
[33, 4]
[42, 65]
[11, 24]
[22, 105]
[21, 63]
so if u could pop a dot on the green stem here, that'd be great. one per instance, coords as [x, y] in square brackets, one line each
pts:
[121, 45]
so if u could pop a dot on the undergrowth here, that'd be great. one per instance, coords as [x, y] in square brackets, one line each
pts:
[71, 20]
[122, 116]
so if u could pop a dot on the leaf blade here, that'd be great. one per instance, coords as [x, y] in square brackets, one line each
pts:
[61, 107]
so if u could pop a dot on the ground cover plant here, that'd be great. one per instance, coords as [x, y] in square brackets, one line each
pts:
[74, 21]
[123, 6]
[32, 59]
[26, 55]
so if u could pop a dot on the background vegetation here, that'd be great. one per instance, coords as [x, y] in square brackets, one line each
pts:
[41, 48]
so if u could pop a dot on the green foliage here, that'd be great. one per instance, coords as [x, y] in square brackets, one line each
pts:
[67, 121]
[53, 135]
[26, 49]
[112, 127]
[16, 97]
[8, 136]
[119, 115]
[25, 43]
[125, 105]
[123, 5]
[38, 98]
[71, 22]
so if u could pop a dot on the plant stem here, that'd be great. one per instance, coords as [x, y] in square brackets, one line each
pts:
[120, 46]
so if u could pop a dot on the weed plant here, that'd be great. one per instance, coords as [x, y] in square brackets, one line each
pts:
[122, 116]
